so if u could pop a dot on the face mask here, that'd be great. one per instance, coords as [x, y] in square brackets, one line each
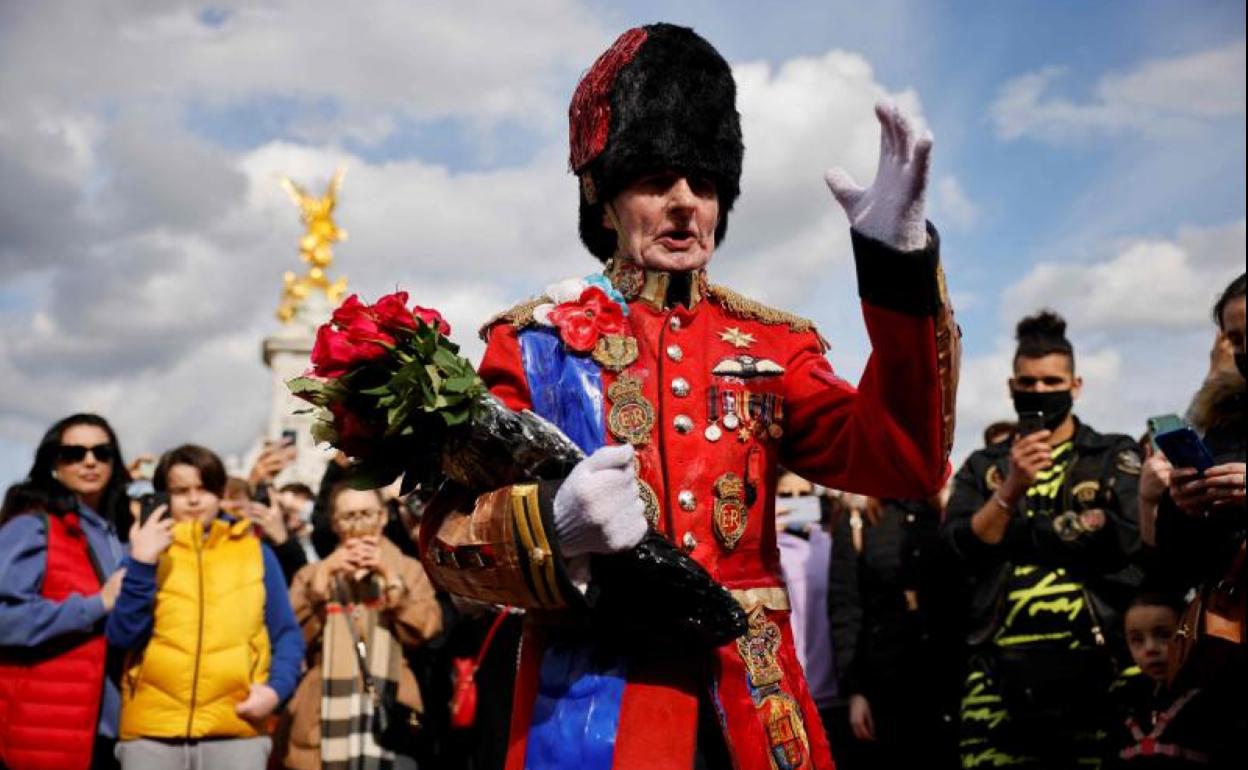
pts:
[803, 509]
[1055, 404]
[1241, 363]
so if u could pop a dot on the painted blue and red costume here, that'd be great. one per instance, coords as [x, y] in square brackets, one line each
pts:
[714, 391]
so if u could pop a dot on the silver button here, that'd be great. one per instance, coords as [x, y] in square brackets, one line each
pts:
[673, 323]
[687, 500]
[683, 423]
[689, 541]
[680, 387]
[675, 353]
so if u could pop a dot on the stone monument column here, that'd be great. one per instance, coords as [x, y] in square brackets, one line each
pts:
[307, 302]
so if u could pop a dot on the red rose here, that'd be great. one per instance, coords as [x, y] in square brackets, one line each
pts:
[337, 352]
[581, 323]
[350, 309]
[432, 318]
[355, 436]
[392, 313]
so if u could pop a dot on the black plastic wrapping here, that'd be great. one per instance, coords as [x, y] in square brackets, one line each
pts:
[501, 447]
[660, 596]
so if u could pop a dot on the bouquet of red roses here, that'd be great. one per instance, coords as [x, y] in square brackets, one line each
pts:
[392, 392]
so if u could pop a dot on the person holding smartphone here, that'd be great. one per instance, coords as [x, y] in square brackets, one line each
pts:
[1045, 526]
[212, 646]
[59, 579]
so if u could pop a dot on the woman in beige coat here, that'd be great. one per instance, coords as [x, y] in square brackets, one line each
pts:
[388, 598]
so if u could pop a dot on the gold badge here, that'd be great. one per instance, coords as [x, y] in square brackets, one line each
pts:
[632, 417]
[786, 732]
[1086, 491]
[1129, 462]
[731, 513]
[650, 500]
[615, 352]
[735, 337]
[993, 478]
[758, 650]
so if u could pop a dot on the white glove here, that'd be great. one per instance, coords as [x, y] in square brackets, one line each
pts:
[598, 509]
[891, 210]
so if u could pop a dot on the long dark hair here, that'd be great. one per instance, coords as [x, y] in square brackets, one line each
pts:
[40, 491]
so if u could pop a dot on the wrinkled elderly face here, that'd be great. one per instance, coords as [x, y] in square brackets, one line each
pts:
[665, 220]
[358, 513]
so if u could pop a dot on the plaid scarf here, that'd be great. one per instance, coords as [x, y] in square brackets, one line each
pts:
[346, 710]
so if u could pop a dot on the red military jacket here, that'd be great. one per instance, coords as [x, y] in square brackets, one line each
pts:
[714, 390]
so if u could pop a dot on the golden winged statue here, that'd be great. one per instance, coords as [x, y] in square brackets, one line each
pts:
[316, 247]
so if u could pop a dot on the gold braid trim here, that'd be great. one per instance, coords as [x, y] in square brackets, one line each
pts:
[744, 307]
[518, 316]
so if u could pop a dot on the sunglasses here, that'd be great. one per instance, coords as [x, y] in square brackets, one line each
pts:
[73, 453]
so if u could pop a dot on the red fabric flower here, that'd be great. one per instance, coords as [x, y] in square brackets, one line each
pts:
[581, 323]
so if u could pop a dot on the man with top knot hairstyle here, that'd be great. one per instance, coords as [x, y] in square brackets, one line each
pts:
[684, 396]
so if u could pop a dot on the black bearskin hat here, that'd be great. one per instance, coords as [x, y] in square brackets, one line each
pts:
[659, 97]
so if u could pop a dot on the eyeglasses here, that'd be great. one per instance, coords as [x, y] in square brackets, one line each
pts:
[73, 453]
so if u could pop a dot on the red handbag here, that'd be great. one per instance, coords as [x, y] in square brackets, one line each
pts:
[464, 682]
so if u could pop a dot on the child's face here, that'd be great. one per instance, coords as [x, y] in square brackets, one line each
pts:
[1149, 629]
[187, 497]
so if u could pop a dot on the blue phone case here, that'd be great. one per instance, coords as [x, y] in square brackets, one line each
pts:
[1184, 449]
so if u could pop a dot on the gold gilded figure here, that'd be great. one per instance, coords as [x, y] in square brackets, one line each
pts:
[315, 247]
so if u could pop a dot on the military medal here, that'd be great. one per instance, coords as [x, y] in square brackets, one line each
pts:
[735, 337]
[731, 421]
[631, 417]
[730, 513]
[713, 432]
[615, 352]
[775, 428]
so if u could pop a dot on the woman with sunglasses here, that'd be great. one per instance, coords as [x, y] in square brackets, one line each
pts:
[59, 578]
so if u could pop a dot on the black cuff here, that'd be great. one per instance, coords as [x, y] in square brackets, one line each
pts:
[902, 281]
[546, 491]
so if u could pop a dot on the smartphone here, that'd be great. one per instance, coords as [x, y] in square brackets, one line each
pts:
[289, 435]
[261, 495]
[1184, 449]
[1030, 422]
[149, 503]
[1163, 423]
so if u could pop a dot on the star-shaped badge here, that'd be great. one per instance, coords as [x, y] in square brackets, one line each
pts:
[737, 338]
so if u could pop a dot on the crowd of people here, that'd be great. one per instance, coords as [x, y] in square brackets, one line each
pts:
[1071, 598]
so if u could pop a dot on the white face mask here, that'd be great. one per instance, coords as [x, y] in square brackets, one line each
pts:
[804, 509]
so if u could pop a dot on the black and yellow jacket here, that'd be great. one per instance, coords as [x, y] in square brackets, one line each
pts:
[1103, 474]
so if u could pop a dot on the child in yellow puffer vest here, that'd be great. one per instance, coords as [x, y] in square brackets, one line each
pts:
[212, 644]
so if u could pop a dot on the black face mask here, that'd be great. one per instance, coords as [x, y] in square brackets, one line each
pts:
[1055, 404]
[1241, 363]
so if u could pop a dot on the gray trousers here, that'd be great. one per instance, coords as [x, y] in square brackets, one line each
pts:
[222, 754]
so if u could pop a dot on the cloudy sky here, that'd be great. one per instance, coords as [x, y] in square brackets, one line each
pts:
[1089, 157]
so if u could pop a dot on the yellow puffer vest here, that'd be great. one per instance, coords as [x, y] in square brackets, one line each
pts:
[209, 642]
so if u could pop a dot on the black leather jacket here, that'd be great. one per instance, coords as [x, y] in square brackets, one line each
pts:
[1104, 473]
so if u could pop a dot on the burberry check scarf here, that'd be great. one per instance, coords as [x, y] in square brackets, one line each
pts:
[346, 710]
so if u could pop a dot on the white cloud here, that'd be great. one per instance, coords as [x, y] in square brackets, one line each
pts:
[951, 206]
[1146, 283]
[1159, 97]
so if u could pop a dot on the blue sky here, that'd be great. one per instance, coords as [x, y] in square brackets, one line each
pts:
[142, 235]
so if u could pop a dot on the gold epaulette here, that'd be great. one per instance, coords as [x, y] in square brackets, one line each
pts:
[744, 307]
[518, 316]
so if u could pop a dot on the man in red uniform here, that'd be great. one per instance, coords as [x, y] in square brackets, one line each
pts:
[685, 395]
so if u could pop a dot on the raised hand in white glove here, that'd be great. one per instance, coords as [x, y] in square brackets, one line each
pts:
[891, 210]
[598, 508]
